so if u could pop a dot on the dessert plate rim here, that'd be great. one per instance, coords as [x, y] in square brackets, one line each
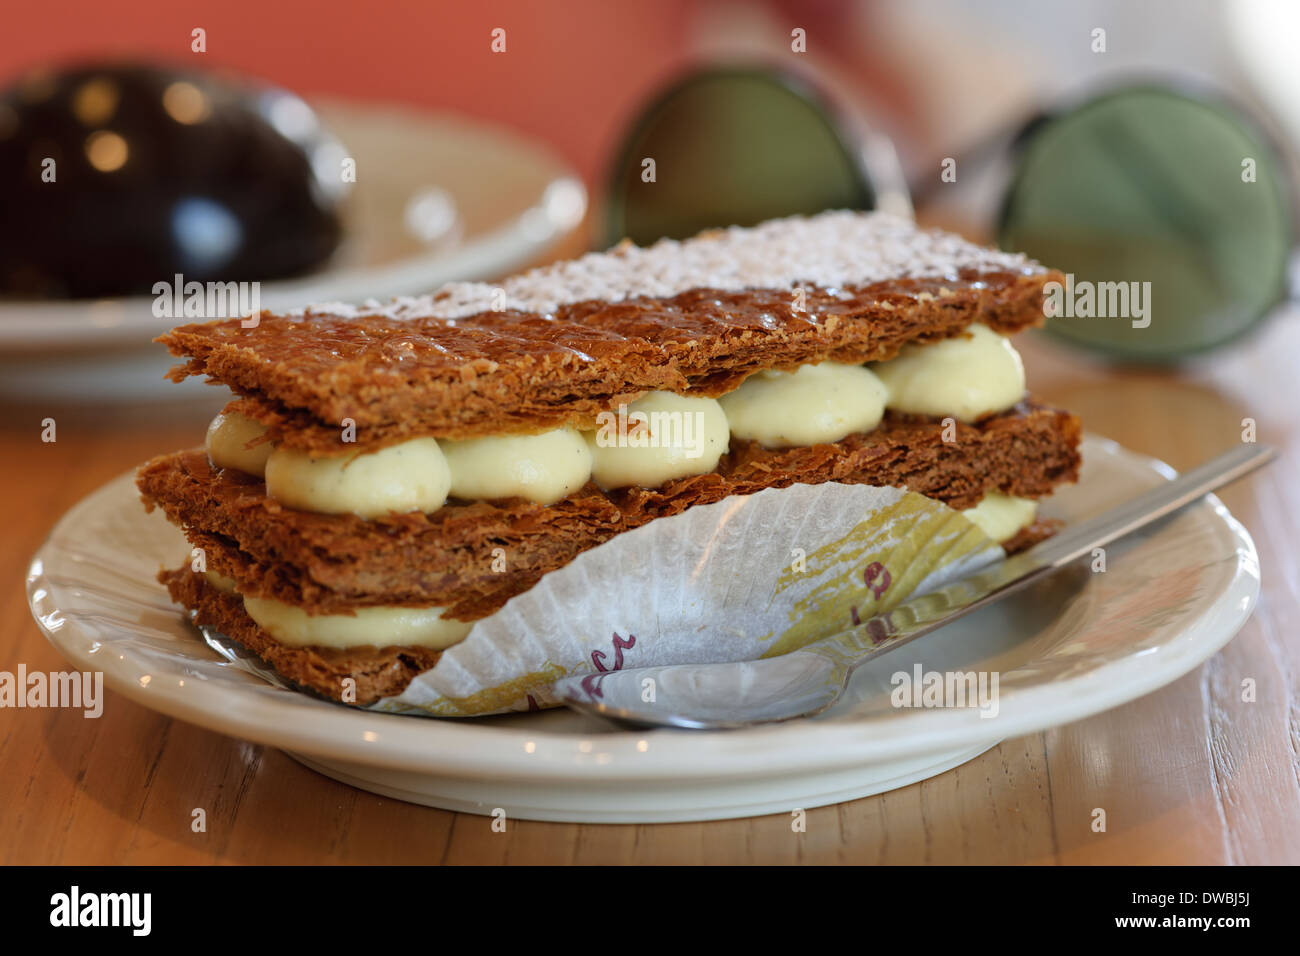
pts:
[92, 627]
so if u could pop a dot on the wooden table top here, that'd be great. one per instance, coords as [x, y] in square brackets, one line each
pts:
[1188, 774]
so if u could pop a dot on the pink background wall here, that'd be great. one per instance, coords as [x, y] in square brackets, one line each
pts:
[572, 70]
[937, 75]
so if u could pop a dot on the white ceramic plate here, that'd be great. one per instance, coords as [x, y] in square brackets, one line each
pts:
[1078, 644]
[510, 199]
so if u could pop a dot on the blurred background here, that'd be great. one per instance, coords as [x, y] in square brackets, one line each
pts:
[230, 164]
[484, 137]
[938, 73]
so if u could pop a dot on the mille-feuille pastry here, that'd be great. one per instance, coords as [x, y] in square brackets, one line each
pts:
[388, 474]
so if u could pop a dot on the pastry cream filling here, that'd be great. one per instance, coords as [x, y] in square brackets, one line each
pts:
[1000, 516]
[221, 582]
[653, 440]
[542, 468]
[370, 626]
[657, 438]
[412, 476]
[228, 440]
[811, 405]
[962, 377]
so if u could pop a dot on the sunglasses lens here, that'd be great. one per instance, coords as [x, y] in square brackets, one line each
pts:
[1169, 213]
[730, 147]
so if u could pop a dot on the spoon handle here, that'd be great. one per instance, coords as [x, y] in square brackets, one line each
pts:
[921, 615]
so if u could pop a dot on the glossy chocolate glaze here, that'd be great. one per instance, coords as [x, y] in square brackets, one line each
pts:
[115, 177]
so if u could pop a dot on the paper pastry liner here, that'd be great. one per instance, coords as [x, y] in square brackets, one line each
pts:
[744, 578]
[748, 577]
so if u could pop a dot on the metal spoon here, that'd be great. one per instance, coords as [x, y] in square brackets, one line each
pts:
[809, 680]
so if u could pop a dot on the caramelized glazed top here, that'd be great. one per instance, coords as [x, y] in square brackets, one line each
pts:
[557, 345]
[585, 332]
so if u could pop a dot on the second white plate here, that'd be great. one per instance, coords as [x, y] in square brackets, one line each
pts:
[510, 199]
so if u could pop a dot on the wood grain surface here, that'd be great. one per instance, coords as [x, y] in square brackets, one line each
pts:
[1189, 774]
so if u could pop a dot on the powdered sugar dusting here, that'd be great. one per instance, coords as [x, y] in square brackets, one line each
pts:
[830, 250]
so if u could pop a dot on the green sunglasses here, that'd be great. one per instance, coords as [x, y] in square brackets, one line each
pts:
[1169, 211]
[736, 146]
